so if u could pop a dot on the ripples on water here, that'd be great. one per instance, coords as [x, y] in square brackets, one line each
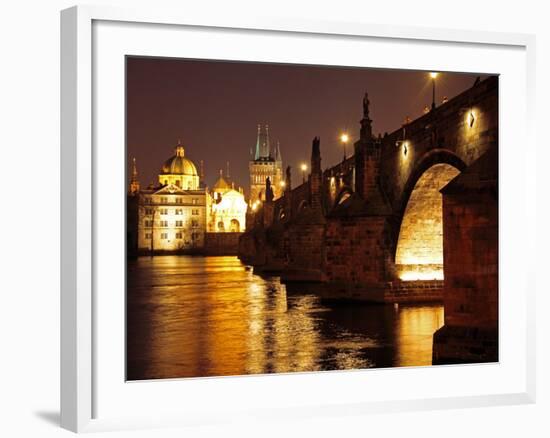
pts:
[211, 316]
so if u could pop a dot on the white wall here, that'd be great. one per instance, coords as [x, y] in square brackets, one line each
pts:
[29, 280]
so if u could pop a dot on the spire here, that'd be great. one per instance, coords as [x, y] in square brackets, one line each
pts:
[258, 144]
[202, 170]
[227, 172]
[278, 156]
[267, 146]
[263, 144]
[134, 183]
[134, 169]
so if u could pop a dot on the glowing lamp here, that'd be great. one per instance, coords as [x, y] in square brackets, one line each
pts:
[303, 167]
[433, 74]
[344, 138]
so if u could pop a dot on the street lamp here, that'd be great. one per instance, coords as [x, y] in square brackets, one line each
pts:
[433, 75]
[344, 138]
[304, 169]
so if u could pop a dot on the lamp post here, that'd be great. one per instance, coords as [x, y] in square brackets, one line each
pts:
[433, 75]
[304, 169]
[344, 138]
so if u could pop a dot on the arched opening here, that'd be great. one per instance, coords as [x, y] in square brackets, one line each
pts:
[235, 226]
[419, 253]
[221, 226]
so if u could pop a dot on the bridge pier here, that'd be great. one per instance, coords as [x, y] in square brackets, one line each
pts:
[470, 232]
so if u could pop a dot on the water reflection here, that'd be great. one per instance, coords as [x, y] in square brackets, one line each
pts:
[211, 316]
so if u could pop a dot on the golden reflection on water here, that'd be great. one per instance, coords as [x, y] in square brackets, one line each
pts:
[211, 316]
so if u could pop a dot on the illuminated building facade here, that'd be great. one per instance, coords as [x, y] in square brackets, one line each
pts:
[176, 214]
[267, 162]
[227, 212]
[172, 215]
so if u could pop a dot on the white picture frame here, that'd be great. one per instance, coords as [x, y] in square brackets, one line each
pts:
[81, 373]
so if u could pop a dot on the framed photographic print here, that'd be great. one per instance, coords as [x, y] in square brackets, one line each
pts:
[298, 218]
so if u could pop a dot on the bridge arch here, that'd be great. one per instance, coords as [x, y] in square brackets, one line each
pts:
[418, 235]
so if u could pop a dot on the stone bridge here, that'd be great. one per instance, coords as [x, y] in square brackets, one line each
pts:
[371, 227]
[412, 216]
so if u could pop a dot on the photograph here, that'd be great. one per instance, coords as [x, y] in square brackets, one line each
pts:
[289, 218]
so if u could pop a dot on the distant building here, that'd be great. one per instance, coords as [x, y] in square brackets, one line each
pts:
[176, 214]
[227, 208]
[267, 162]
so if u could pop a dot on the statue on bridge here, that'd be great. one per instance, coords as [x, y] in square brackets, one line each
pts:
[366, 127]
[366, 103]
[268, 190]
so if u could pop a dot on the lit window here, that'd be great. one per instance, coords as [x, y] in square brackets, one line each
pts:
[179, 223]
[179, 211]
[148, 235]
[149, 211]
[164, 236]
[163, 200]
[164, 224]
[179, 235]
[195, 212]
[195, 223]
[148, 223]
[195, 201]
[163, 211]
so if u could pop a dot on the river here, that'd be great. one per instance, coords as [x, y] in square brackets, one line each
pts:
[191, 316]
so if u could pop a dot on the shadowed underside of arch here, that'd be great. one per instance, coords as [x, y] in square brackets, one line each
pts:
[419, 253]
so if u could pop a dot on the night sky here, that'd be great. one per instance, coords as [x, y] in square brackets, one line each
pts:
[214, 108]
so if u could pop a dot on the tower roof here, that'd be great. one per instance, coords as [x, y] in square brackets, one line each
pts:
[263, 147]
[221, 185]
[278, 156]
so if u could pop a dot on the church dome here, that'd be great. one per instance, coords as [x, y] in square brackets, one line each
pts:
[221, 185]
[179, 165]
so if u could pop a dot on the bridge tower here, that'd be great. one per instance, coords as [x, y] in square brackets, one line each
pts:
[266, 163]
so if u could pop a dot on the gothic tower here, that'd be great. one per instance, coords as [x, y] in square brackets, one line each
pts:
[266, 163]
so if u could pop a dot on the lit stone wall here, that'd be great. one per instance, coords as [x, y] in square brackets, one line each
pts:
[171, 221]
[419, 253]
